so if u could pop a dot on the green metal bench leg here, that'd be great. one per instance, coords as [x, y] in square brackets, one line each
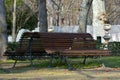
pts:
[100, 60]
[51, 61]
[14, 63]
[84, 61]
[60, 58]
[30, 51]
[31, 63]
[68, 63]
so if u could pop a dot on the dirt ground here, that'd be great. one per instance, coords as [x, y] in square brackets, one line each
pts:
[25, 73]
[63, 74]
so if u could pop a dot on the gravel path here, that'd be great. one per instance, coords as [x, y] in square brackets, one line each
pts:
[63, 74]
[28, 73]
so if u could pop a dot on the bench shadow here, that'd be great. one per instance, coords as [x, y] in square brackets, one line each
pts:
[21, 67]
[6, 68]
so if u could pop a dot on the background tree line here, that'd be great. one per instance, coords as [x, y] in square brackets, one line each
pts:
[59, 13]
[50, 12]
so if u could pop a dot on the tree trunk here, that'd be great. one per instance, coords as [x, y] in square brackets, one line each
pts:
[43, 16]
[98, 15]
[14, 22]
[3, 30]
[85, 7]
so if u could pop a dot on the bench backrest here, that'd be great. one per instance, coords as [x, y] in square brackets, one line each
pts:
[61, 41]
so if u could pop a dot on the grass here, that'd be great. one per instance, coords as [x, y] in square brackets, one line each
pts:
[113, 62]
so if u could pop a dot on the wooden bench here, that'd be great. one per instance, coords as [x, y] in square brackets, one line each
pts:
[62, 45]
[68, 45]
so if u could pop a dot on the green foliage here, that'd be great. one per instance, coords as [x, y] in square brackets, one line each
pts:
[9, 9]
[114, 47]
[25, 17]
[31, 23]
[99, 45]
[12, 46]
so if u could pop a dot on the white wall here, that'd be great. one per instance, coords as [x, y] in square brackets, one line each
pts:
[114, 32]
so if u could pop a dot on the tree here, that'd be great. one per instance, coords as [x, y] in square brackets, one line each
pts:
[43, 16]
[85, 7]
[3, 30]
[14, 22]
[63, 12]
[32, 4]
[113, 11]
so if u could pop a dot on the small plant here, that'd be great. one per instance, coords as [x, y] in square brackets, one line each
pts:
[12, 46]
[114, 47]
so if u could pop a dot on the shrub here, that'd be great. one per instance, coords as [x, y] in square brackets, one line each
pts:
[12, 46]
[114, 47]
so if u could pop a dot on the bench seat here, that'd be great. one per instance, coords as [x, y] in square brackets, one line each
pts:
[85, 52]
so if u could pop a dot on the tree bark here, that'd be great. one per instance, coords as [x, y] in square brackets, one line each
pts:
[43, 25]
[14, 23]
[3, 30]
[85, 7]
